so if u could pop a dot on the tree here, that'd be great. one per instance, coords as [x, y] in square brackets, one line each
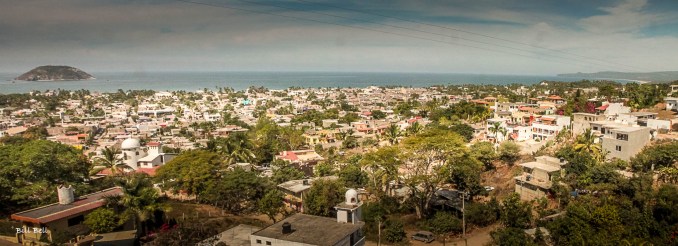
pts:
[414, 128]
[392, 134]
[465, 175]
[271, 204]
[110, 159]
[485, 153]
[378, 114]
[427, 162]
[30, 170]
[236, 191]
[662, 154]
[283, 172]
[586, 142]
[483, 214]
[515, 213]
[394, 231]
[381, 167]
[139, 200]
[352, 175]
[323, 169]
[464, 130]
[190, 171]
[102, 220]
[323, 196]
[509, 152]
[510, 236]
[444, 222]
[494, 129]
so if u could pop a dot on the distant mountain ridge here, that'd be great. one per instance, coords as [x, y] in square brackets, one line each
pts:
[663, 76]
[55, 73]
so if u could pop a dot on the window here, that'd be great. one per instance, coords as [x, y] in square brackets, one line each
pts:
[258, 241]
[268, 243]
[622, 137]
[618, 148]
[76, 220]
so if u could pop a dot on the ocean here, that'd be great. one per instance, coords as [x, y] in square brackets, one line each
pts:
[191, 81]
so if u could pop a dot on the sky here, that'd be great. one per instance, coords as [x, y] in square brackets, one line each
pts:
[540, 37]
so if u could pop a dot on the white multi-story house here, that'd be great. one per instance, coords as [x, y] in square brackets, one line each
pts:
[549, 126]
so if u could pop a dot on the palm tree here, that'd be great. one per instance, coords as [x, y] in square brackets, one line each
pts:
[139, 200]
[392, 133]
[494, 129]
[414, 128]
[503, 132]
[240, 148]
[586, 142]
[110, 160]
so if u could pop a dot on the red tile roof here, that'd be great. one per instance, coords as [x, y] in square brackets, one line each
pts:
[289, 155]
[149, 171]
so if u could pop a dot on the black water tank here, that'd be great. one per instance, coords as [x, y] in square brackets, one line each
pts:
[286, 228]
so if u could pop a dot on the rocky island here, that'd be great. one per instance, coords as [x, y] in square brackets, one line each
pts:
[55, 73]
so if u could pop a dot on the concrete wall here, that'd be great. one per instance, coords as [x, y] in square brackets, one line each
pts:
[629, 148]
[527, 194]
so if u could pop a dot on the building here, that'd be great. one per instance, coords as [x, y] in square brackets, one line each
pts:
[582, 121]
[304, 160]
[295, 190]
[625, 142]
[671, 103]
[66, 216]
[537, 177]
[549, 126]
[310, 230]
[141, 159]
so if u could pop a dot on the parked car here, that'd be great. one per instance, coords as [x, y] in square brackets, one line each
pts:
[489, 188]
[424, 236]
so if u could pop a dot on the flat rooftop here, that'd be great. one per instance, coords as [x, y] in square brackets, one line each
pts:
[309, 229]
[540, 166]
[57, 211]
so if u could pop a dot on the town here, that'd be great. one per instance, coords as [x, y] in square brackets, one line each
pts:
[553, 163]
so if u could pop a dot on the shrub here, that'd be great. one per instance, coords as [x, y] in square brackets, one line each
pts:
[394, 231]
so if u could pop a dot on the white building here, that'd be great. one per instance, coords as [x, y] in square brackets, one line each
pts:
[136, 157]
[549, 126]
[671, 103]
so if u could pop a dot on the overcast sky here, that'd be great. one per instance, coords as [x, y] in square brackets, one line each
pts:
[497, 37]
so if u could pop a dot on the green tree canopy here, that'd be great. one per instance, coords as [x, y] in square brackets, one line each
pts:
[190, 171]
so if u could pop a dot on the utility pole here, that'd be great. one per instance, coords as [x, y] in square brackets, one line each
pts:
[464, 194]
[379, 229]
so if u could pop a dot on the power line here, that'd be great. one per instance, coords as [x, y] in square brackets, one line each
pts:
[369, 29]
[470, 32]
[422, 31]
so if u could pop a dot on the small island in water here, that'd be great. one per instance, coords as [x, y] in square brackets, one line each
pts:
[55, 73]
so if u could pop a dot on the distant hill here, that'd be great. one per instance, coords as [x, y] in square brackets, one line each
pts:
[54, 73]
[665, 76]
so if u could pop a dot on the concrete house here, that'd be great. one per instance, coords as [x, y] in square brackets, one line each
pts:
[310, 230]
[537, 177]
[66, 216]
[625, 142]
[582, 121]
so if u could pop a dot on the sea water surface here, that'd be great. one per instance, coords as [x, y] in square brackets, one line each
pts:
[191, 81]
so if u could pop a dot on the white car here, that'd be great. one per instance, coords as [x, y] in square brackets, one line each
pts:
[489, 188]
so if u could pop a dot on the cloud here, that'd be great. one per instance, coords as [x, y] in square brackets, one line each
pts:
[98, 35]
[625, 17]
